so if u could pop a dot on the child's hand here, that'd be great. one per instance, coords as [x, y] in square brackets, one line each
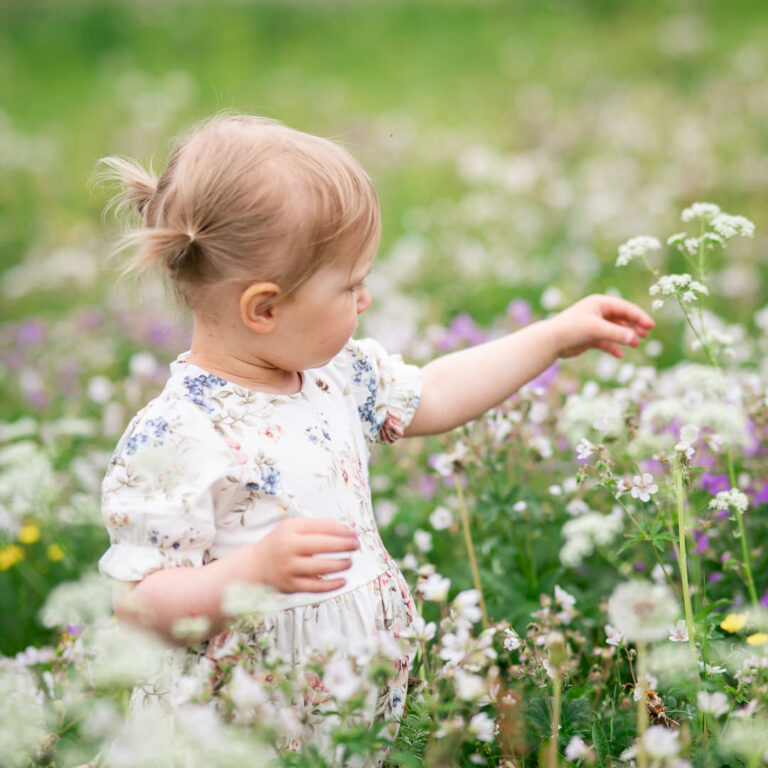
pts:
[600, 322]
[287, 554]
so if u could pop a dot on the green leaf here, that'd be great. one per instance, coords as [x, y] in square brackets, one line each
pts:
[600, 741]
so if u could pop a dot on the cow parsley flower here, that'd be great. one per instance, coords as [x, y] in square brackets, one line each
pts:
[731, 499]
[638, 246]
[730, 226]
[683, 286]
[701, 211]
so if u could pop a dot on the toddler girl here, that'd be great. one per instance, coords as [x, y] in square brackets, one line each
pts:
[252, 462]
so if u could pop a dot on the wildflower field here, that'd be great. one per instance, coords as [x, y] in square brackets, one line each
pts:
[589, 560]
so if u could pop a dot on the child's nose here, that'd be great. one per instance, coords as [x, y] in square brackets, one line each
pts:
[363, 301]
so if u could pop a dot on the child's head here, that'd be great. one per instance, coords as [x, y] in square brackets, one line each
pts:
[247, 199]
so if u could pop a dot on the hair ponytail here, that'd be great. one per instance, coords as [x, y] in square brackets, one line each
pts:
[138, 186]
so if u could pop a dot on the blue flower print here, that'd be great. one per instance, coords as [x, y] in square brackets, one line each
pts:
[363, 374]
[270, 480]
[151, 431]
[397, 699]
[197, 387]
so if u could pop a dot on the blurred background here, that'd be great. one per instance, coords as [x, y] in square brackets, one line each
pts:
[514, 146]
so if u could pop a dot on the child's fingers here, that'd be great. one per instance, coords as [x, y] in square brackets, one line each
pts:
[307, 584]
[607, 331]
[316, 566]
[323, 525]
[615, 307]
[610, 348]
[315, 544]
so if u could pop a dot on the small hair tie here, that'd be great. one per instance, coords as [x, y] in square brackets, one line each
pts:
[191, 236]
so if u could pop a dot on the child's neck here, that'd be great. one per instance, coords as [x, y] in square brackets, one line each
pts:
[233, 359]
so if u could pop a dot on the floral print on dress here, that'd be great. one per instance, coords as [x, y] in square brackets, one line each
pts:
[209, 466]
[199, 386]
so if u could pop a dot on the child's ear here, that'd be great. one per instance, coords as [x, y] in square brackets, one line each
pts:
[257, 306]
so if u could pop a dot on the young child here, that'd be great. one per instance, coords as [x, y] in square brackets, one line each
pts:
[252, 462]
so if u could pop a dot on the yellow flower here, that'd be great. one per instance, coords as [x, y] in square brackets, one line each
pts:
[29, 534]
[9, 556]
[55, 553]
[759, 638]
[733, 622]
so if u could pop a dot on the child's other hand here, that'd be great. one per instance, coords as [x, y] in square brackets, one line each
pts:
[600, 322]
[287, 554]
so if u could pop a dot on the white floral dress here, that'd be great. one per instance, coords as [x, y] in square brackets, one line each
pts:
[209, 466]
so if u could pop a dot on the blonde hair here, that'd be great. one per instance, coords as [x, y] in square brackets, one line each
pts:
[247, 199]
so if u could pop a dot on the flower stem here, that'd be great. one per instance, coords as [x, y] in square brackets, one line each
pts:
[470, 548]
[642, 708]
[683, 556]
[554, 736]
[745, 558]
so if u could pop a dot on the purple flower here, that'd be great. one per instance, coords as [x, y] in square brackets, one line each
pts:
[761, 496]
[715, 576]
[74, 630]
[547, 378]
[31, 333]
[519, 312]
[714, 483]
[764, 599]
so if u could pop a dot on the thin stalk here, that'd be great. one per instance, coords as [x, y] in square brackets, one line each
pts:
[683, 556]
[554, 736]
[470, 548]
[642, 708]
[746, 560]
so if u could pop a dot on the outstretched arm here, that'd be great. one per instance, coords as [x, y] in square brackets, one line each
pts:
[459, 387]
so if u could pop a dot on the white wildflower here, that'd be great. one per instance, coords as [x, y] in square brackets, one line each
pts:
[661, 742]
[729, 226]
[466, 606]
[685, 449]
[340, 679]
[482, 727]
[703, 211]
[645, 683]
[679, 632]
[714, 669]
[423, 540]
[684, 286]
[576, 749]
[246, 692]
[613, 636]
[435, 587]
[555, 490]
[441, 518]
[656, 305]
[421, 630]
[643, 487]
[519, 506]
[731, 499]
[468, 686]
[584, 449]
[641, 610]
[511, 639]
[637, 246]
[713, 703]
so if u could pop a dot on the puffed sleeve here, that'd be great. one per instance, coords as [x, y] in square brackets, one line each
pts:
[386, 390]
[160, 496]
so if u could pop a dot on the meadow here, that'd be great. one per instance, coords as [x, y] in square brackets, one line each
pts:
[590, 558]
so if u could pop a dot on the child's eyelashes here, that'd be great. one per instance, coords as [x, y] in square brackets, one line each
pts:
[357, 287]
